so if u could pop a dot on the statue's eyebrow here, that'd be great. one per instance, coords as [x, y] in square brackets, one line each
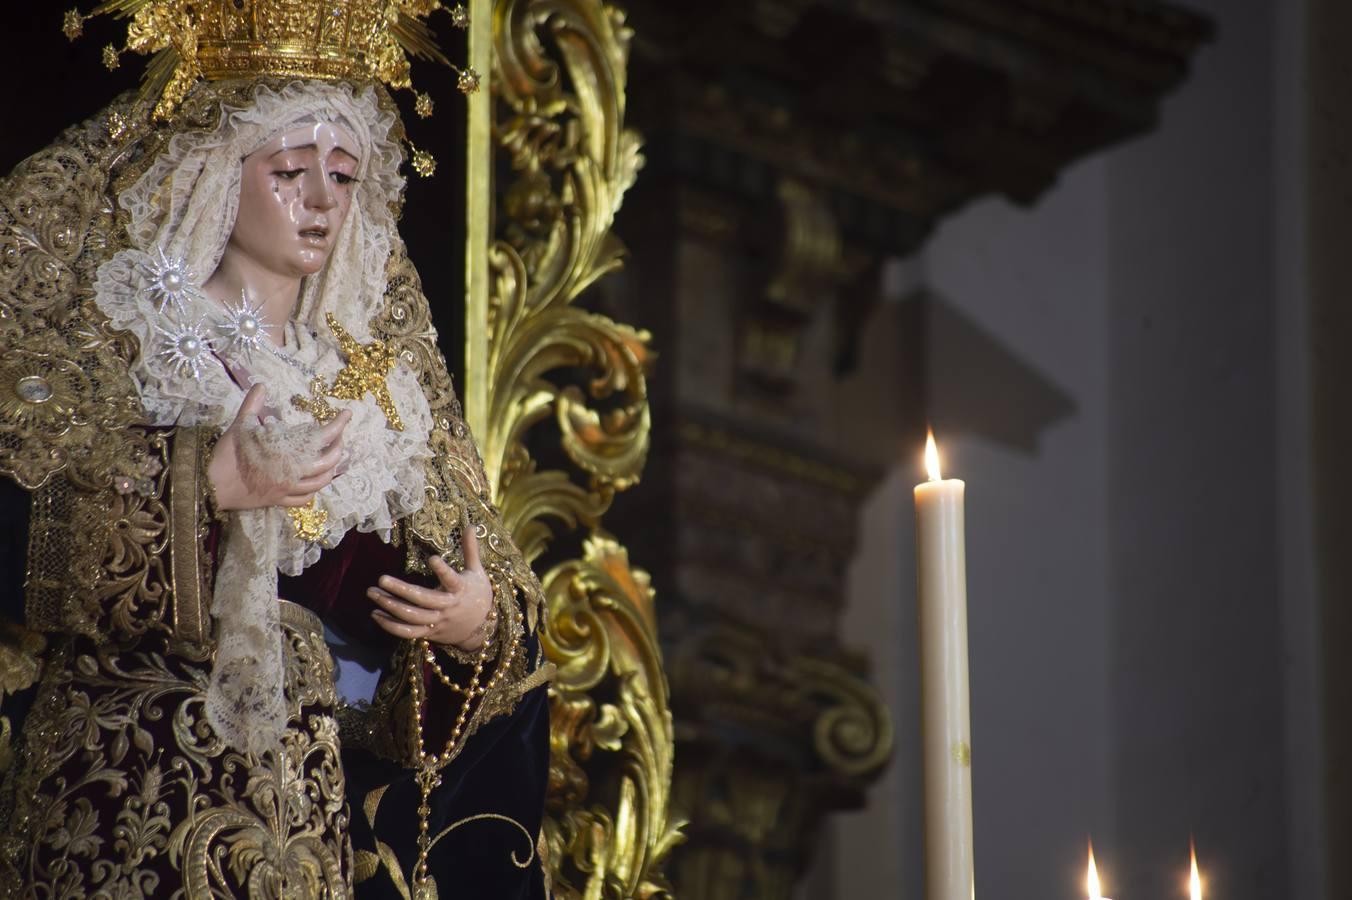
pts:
[338, 148]
[297, 147]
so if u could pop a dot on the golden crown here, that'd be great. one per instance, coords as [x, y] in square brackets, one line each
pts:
[324, 39]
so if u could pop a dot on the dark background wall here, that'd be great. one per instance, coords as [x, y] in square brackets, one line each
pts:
[1327, 216]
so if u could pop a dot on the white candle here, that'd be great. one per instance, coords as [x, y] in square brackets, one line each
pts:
[941, 566]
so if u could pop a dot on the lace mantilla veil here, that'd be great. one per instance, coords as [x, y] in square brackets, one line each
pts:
[182, 210]
[150, 192]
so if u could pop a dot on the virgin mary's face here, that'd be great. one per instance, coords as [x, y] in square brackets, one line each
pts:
[294, 195]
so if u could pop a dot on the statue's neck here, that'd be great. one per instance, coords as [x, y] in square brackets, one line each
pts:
[277, 294]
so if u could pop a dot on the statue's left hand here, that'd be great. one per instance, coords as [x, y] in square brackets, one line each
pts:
[453, 614]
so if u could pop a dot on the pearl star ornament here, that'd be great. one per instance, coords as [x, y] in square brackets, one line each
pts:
[243, 328]
[171, 281]
[186, 347]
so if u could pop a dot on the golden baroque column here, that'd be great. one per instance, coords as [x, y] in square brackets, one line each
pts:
[547, 378]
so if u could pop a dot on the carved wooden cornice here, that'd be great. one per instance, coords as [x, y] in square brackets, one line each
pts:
[831, 134]
[777, 724]
[900, 111]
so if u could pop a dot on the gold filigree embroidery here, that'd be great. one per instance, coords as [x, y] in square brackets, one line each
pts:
[185, 808]
[37, 390]
[69, 412]
[494, 817]
[369, 863]
[20, 665]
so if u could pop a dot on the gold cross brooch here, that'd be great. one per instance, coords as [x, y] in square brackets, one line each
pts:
[367, 366]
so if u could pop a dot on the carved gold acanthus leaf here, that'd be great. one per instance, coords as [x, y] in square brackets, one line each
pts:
[559, 73]
[611, 759]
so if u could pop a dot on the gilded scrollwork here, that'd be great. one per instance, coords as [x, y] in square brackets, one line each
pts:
[559, 79]
[561, 126]
[611, 760]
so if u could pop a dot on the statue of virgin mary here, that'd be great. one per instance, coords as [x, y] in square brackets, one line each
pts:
[272, 637]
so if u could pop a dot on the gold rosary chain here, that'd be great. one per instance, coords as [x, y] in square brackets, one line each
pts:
[429, 765]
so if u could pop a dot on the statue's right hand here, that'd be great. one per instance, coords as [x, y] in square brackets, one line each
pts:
[240, 486]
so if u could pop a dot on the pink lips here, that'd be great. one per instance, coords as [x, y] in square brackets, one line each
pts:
[316, 234]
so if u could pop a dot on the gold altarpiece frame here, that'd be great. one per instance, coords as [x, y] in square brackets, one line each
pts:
[552, 127]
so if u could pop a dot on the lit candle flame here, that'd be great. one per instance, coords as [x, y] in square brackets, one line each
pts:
[1194, 880]
[1092, 880]
[932, 457]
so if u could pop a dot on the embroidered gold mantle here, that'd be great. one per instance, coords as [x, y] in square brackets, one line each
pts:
[190, 816]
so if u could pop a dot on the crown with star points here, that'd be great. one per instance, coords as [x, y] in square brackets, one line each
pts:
[329, 40]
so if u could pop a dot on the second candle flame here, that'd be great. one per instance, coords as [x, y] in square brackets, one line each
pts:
[932, 458]
[1194, 880]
